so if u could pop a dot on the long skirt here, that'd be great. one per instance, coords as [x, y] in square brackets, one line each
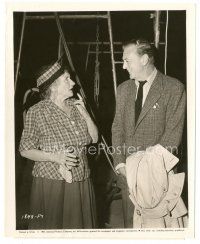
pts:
[56, 204]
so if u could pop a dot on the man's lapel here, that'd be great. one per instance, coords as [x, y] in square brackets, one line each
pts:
[153, 96]
[130, 106]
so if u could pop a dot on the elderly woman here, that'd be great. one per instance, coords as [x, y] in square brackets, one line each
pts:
[56, 132]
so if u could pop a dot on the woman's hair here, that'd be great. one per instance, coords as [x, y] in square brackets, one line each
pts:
[46, 93]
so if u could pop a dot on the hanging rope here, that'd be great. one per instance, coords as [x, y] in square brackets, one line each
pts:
[97, 64]
[166, 44]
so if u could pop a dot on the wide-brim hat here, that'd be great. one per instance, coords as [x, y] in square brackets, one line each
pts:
[49, 76]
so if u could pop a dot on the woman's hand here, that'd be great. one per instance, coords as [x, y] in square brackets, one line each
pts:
[67, 159]
[81, 107]
[122, 171]
[92, 129]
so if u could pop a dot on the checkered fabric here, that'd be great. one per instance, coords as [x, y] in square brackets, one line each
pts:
[49, 129]
[48, 74]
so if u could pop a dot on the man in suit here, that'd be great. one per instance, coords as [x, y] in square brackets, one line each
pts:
[150, 109]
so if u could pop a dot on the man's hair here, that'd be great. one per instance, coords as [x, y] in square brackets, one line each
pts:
[143, 47]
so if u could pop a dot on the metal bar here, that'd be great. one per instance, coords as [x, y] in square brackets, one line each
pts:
[88, 16]
[104, 142]
[112, 53]
[78, 81]
[157, 29]
[87, 57]
[60, 48]
[20, 50]
[166, 41]
[102, 43]
[93, 43]
[106, 52]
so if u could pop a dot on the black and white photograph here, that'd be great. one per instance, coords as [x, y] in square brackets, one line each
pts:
[100, 119]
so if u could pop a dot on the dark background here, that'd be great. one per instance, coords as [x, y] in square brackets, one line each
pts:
[40, 47]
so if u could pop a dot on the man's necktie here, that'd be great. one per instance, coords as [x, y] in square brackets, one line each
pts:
[138, 102]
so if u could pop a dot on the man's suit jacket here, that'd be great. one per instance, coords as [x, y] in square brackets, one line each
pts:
[160, 122]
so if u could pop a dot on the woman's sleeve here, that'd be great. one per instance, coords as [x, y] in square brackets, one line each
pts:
[30, 134]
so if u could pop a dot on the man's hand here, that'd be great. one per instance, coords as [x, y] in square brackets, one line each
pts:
[122, 171]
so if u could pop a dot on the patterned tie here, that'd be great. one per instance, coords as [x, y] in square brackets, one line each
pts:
[138, 102]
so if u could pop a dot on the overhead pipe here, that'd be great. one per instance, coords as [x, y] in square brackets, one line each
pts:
[78, 16]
